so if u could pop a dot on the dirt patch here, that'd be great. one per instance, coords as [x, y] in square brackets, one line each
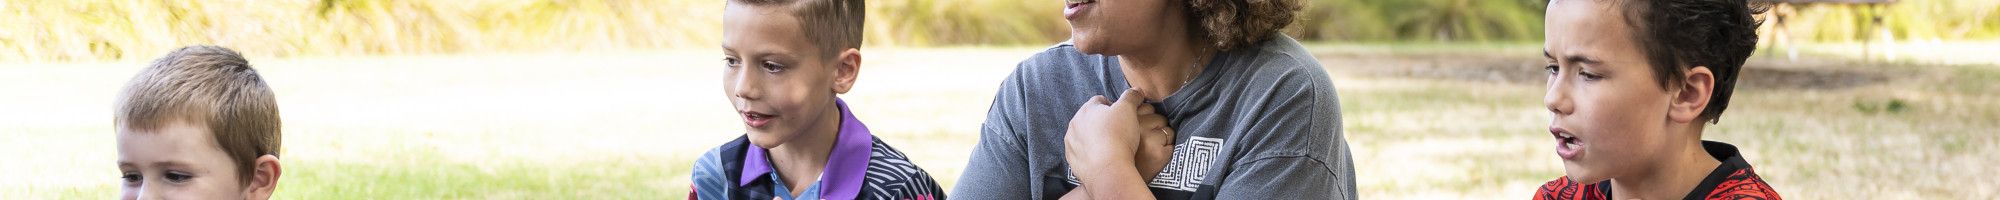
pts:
[1487, 68]
[1806, 78]
[1808, 75]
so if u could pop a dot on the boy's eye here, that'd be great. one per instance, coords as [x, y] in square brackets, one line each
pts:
[773, 67]
[130, 178]
[1551, 69]
[178, 177]
[1587, 76]
[731, 62]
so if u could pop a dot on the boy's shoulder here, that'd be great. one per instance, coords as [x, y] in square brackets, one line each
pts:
[1564, 189]
[717, 163]
[715, 155]
[715, 172]
[1733, 179]
[1743, 183]
[891, 174]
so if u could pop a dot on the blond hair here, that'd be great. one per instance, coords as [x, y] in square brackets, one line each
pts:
[210, 85]
[832, 25]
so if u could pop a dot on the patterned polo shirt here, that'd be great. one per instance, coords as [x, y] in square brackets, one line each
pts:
[1733, 179]
[859, 167]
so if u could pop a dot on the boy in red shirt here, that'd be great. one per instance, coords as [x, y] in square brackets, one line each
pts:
[1632, 84]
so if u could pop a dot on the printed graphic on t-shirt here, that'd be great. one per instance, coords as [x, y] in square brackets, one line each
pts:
[1189, 167]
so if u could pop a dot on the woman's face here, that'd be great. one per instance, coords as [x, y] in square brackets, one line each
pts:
[1114, 27]
[1610, 113]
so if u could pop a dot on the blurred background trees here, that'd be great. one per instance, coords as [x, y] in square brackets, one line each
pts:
[44, 30]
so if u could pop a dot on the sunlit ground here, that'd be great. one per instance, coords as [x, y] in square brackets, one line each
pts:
[1424, 121]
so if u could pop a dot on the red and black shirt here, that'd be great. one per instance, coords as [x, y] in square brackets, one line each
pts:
[1731, 180]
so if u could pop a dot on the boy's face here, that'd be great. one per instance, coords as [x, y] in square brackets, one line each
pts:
[781, 85]
[176, 161]
[1610, 113]
[1113, 27]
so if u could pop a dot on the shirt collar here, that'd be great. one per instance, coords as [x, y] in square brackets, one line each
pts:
[845, 166]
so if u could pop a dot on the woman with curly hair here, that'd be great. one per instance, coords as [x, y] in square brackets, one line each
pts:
[1209, 101]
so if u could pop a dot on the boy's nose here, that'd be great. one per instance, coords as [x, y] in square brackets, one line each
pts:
[746, 87]
[1557, 99]
[147, 192]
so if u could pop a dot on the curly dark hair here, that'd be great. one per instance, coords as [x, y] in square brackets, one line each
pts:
[1679, 34]
[1236, 23]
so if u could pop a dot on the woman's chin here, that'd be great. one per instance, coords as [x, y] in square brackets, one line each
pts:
[1086, 43]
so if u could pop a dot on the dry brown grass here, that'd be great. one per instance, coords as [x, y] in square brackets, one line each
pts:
[1424, 122]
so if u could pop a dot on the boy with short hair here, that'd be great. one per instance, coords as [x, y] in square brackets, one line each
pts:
[1631, 84]
[198, 123]
[785, 62]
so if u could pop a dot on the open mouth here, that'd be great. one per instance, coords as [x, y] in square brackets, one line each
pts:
[757, 119]
[1567, 144]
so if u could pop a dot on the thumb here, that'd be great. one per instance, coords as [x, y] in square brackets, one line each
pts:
[1131, 98]
[1099, 100]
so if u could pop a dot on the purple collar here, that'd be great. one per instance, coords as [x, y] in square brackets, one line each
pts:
[845, 166]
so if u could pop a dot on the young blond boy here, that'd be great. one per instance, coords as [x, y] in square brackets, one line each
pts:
[785, 62]
[198, 123]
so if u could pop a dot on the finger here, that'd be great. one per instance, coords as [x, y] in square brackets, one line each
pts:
[1146, 109]
[1159, 137]
[1131, 98]
[1099, 99]
[1153, 121]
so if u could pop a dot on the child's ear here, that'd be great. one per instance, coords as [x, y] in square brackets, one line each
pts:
[846, 70]
[264, 179]
[1693, 95]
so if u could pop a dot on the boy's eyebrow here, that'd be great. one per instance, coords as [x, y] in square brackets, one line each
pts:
[1581, 59]
[168, 163]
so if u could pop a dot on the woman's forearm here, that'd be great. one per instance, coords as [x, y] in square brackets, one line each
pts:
[1112, 181]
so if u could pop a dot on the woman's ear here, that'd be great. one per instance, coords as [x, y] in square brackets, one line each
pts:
[263, 179]
[1693, 95]
[846, 70]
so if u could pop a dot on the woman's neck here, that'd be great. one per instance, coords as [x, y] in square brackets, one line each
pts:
[1678, 174]
[1163, 69]
[800, 161]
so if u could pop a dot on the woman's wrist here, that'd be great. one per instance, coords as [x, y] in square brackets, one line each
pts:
[1111, 180]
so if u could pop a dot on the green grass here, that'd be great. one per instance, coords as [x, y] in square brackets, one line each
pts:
[626, 125]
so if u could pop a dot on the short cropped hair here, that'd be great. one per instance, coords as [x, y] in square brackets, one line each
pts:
[831, 25]
[1679, 34]
[212, 86]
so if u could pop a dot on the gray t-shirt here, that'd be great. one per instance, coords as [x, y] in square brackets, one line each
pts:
[1259, 122]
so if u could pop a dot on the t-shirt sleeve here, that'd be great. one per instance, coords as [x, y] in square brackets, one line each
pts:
[1296, 148]
[999, 164]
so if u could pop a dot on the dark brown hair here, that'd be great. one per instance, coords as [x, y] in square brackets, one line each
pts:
[1677, 35]
[831, 25]
[1236, 23]
[211, 86]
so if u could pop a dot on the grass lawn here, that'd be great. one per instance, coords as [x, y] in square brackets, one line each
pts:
[1425, 122]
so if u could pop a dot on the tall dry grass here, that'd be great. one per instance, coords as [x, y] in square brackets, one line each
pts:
[43, 30]
[134, 29]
